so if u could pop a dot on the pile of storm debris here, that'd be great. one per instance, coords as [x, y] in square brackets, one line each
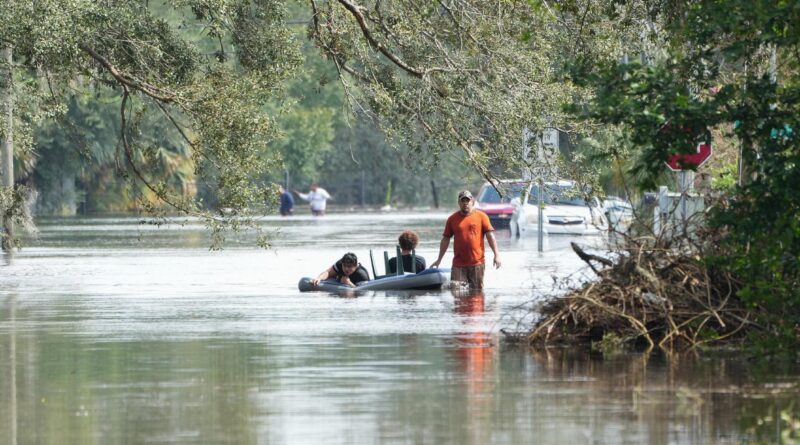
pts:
[653, 293]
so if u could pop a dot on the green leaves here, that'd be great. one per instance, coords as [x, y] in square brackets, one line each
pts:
[716, 75]
[463, 79]
[195, 78]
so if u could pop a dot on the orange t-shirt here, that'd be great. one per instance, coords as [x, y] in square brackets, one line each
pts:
[468, 232]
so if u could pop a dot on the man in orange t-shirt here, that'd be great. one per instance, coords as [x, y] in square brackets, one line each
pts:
[468, 227]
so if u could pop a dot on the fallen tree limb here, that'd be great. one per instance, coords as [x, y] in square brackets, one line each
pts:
[588, 257]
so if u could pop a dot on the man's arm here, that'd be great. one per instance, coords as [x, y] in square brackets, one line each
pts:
[358, 276]
[329, 272]
[443, 245]
[493, 244]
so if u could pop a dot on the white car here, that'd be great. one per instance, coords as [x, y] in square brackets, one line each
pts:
[619, 213]
[565, 209]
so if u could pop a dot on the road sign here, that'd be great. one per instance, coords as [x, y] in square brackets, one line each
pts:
[691, 160]
[548, 146]
[550, 138]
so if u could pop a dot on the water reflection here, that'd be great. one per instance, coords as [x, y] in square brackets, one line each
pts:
[11, 360]
[475, 347]
[649, 399]
[169, 343]
[475, 352]
[365, 389]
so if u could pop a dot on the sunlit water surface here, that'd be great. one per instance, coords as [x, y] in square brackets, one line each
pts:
[116, 332]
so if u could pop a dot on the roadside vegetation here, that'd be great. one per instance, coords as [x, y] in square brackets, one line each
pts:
[728, 70]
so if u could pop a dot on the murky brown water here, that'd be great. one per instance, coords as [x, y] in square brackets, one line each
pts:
[111, 332]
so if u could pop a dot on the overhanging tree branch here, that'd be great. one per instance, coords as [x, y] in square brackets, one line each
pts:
[355, 10]
[129, 157]
[129, 81]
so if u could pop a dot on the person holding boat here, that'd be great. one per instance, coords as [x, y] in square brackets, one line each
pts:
[468, 227]
[408, 242]
[346, 271]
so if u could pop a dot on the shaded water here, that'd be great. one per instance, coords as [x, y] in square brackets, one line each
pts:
[112, 332]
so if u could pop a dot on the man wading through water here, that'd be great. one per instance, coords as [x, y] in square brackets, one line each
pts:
[468, 227]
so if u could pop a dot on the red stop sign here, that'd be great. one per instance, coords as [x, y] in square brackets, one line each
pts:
[687, 161]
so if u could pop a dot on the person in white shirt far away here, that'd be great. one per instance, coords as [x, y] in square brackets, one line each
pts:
[317, 197]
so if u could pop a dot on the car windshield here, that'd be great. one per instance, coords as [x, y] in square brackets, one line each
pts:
[561, 194]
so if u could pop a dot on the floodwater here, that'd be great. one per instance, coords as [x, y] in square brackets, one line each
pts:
[113, 332]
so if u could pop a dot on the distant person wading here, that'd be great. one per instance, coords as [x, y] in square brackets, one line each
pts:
[317, 198]
[287, 202]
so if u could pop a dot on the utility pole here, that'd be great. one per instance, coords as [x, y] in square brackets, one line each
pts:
[363, 197]
[773, 63]
[7, 143]
[528, 179]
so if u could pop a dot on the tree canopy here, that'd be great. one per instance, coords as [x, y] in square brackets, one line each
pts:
[724, 69]
[464, 76]
[207, 68]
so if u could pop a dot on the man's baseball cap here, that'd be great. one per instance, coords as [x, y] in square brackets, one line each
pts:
[464, 194]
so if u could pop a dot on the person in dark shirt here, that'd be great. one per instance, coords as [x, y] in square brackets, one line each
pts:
[287, 203]
[346, 271]
[408, 241]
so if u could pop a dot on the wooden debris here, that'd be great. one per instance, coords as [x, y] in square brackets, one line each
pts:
[654, 294]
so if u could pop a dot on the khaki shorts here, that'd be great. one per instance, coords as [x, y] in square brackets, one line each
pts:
[472, 275]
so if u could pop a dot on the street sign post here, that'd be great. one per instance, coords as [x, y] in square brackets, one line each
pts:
[680, 163]
[550, 138]
[547, 150]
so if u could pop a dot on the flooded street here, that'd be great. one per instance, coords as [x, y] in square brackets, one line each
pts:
[115, 332]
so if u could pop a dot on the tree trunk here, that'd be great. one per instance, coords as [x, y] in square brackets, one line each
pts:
[435, 194]
[69, 203]
[363, 188]
[7, 143]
